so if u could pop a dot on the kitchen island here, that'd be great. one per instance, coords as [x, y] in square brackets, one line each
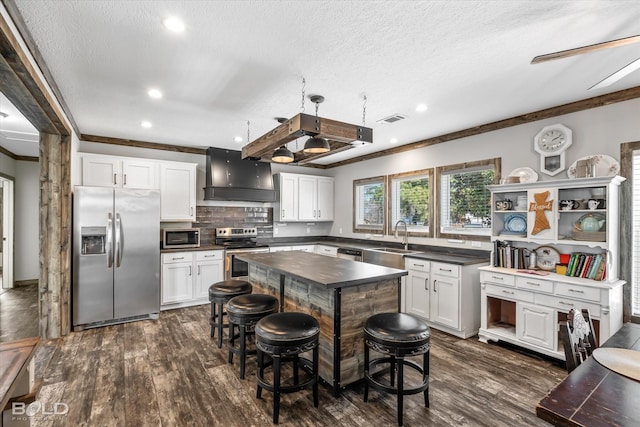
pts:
[341, 294]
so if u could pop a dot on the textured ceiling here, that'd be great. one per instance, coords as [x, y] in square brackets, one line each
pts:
[244, 60]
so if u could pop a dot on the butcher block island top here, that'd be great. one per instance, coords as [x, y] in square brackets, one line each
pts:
[341, 294]
[322, 270]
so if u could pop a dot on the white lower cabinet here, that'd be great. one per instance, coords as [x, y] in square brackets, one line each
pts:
[446, 295]
[326, 250]
[525, 310]
[535, 325]
[186, 277]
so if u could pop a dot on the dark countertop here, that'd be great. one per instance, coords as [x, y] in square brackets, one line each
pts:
[442, 254]
[201, 248]
[450, 258]
[322, 270]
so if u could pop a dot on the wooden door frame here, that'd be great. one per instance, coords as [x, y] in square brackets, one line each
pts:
[30, 94]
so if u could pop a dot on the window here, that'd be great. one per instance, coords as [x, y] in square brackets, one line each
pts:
[464, 201]
[411, 200]
[635, 239]
[369, 205]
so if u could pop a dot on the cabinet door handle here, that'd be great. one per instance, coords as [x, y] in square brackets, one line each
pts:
[426, 284]
[319, 214]
[198, 270]
[435, 283]
[444, 269]
[191, 210]
[190, 271]
[175, 258]
[314, 213]
[282, 213]
[124, 180]
[507, 292]
[497, 277]
[115, 179]
[577, 291]
[533, 283]
[208, 256]
[418, 265]
[566, 303]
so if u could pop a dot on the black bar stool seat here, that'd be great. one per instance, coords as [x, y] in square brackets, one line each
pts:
[219, 294]
[284, 336]
[244, 311]
[396, 336]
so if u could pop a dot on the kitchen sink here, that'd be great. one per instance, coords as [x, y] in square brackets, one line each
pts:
[388, 257]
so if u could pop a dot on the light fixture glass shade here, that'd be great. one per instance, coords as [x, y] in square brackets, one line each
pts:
[282, 155]
[316, 145]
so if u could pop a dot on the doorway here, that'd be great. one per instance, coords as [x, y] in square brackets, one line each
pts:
[6, 232]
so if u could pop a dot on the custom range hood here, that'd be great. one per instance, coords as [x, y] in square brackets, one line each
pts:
[229, 177]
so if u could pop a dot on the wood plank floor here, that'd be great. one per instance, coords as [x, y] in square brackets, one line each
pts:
[169, 372]
[19, 312]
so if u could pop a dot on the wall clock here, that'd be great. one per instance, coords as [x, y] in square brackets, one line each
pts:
[551, 143]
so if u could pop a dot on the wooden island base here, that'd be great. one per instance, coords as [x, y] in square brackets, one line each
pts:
[341, 312]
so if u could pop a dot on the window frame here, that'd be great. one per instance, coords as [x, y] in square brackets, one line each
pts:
[626, 228]
[358, 182]
[440, 170]
[389, 199]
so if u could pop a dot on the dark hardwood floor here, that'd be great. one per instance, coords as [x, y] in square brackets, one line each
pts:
[169, 372]
[18, 312]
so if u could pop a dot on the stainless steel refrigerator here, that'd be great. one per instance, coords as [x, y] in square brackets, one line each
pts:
[116, 255]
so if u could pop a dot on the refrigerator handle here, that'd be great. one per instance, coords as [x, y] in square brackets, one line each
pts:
[109, 242]
[118, 240]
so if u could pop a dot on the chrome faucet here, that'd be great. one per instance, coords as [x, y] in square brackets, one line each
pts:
[405, 238]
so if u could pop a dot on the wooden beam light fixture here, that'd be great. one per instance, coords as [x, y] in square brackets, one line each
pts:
[339, 136]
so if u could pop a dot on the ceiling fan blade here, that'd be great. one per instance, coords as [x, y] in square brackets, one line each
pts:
[584, 49]
[622, 72]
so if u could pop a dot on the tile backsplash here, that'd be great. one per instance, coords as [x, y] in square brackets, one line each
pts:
[208, 218]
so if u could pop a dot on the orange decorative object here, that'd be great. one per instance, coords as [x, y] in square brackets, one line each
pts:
[540, 205]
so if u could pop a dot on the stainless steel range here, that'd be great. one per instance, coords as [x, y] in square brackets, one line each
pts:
[238, 241]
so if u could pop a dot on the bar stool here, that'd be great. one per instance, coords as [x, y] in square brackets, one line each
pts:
[244, 311]
[285, 336]
[219, 294]
[397, 335]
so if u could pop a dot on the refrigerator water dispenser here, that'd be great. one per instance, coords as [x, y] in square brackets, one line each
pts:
[93, 240]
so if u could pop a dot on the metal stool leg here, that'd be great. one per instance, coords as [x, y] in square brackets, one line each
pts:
[260, 357]
[425, 375]
[400, 363]
[220, 324]
[315, 376]
[276, 388]
[243, 350]
[366, 372]
[213, 319]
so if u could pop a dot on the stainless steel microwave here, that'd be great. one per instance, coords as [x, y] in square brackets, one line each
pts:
[174, 238]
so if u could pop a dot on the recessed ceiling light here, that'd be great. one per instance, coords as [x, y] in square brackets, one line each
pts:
[145, 124]
[155, 93]
[174, 24]
[238, 139]
[420, 108]
[393, 140]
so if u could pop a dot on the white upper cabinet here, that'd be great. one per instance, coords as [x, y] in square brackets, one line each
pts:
[177, 191]
[119, 172]
[304, 197]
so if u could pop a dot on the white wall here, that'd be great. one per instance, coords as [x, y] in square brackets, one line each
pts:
[595, 131]
[27, 245]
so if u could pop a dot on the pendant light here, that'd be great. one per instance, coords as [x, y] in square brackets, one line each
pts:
[316, 144]
[282, 155]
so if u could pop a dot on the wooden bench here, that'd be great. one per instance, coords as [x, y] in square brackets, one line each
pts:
[16, 375]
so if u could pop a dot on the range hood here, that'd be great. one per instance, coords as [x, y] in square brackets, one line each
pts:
[229, 177]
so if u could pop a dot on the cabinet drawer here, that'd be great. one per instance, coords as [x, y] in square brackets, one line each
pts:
[508, 293]
[499, 278]
[579, 292]
[534, 284]
[209, 255]
[566, 304]
[417, 264]
[445, 269]
[177, 257]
